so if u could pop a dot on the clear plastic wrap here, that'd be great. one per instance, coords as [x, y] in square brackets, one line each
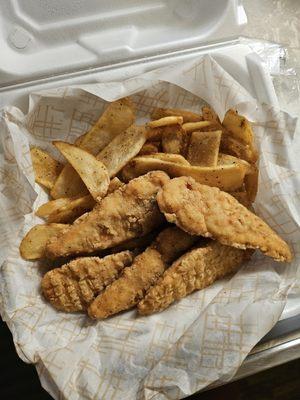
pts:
[282, 64]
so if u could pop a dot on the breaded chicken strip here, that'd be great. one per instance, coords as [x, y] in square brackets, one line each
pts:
[128, 212]
[194, 270]
[172, 242]
[136, 244]
[207, 211]
[74, 286]
[147, 267]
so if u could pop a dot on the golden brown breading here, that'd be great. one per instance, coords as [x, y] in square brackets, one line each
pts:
[195, 270]
[140, 242]
[207, 211]
[147, 267]
[172, 242]
[75, 285]
[128, 212]
[126, 291]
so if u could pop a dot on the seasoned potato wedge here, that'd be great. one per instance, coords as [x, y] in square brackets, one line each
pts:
[117, 117]
[175, 158]
[68, 184]
[195, 126]
[210, 115]
[226, 177]
[93, 172]
[204, 148]
[238, 149]
[78, 188]
[46, 169]
[230, 142]
[188, 116]
[251, 183]
[239, 127]
[33, 244]
[165, 121]
[239, 138]
[149, 148]
[65, 210]
[174, 139]
[227, 159]
[123, 148]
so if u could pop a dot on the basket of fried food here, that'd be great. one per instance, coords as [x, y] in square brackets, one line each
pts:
[143, 215]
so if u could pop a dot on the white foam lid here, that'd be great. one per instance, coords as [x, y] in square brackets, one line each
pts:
[43, 38]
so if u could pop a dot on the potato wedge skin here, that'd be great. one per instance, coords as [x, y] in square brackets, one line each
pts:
[239, 127]
[188, 116]
[175, 158]
[251, 183]
[238, 138]
[68, 184]
[123, 148]
[93, 172]
[52, 206]
[227, 159]
[236, 148]
[57, 211]
[149, 148]
[174, 139]
[34, 243]
[117, 117]
[204, 147]
[67, 209]
[226, 177]
[210, 115]
[234, 141]
[46, 168]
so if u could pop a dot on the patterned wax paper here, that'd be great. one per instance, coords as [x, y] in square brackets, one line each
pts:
[204, 338]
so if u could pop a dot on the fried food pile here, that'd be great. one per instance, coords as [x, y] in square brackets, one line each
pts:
[143, 215]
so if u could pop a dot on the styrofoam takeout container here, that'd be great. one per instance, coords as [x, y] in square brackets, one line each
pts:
[47, 44]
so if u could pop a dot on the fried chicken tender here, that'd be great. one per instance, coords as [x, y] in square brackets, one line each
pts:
[195, 270]
[135, 244]
[172, 242]
[207, 211]
[147, 267]
[128, 212]
[74, 286]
